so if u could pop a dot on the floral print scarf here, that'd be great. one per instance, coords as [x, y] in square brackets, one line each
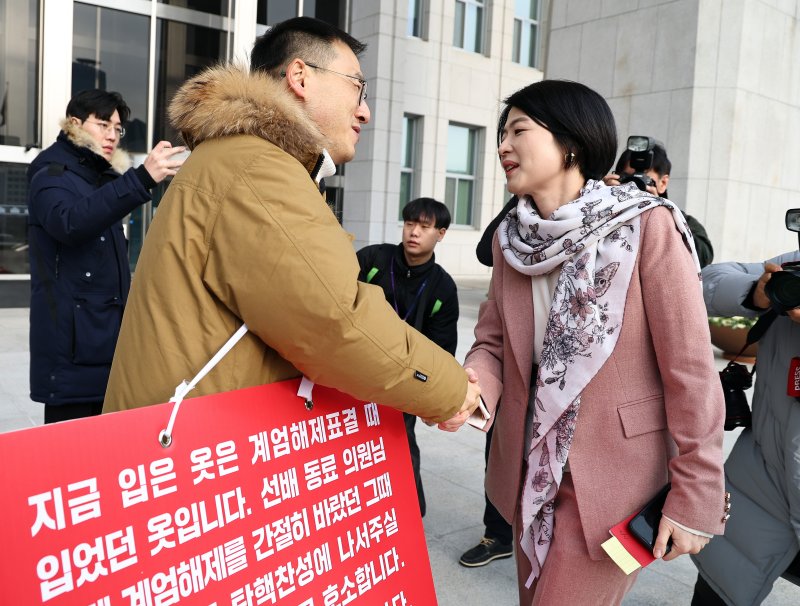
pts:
[595, 240]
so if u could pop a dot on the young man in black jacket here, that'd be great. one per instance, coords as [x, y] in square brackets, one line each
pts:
[419, 290]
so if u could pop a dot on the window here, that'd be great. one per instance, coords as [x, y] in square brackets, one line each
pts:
[408, 166]
[414, 27]
[19, 77]
[110, 51]
[334, 192]
[525, 49]
[215, 7]
[468, 31]
[334, 196]
[270, 12]
[13, 219]
[183, 50]
[459, 192]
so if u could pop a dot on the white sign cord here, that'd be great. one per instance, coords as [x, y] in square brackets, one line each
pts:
[165, 437]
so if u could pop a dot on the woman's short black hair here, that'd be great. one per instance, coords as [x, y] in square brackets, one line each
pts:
[427, 208]
[579, 118]
[101, 103]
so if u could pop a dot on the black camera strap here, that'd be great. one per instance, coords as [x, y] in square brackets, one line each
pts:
[759, 328]
[756, 332]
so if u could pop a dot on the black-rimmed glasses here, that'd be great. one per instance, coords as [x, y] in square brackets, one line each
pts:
[362, 91]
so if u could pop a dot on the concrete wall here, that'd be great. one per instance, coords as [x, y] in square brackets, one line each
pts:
[745, 147]
[640, 56]
[719, 83]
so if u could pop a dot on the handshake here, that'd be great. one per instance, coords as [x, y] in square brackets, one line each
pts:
[471, 402]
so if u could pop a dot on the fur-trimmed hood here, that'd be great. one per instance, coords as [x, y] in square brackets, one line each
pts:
[229, 100]
[120, 159]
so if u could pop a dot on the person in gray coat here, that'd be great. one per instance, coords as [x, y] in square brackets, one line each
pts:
[762, 473]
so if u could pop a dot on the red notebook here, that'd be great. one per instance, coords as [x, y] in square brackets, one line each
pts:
[625, 549]
[631, 543]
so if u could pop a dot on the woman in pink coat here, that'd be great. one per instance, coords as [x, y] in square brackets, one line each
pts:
[594, 336]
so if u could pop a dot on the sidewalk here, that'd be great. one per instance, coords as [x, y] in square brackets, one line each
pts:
[452, 470]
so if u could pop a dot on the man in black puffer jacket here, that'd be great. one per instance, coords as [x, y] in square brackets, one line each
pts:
[80, 188]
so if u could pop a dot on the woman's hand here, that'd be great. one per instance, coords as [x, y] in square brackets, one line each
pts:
[470, 404]
[682, 541]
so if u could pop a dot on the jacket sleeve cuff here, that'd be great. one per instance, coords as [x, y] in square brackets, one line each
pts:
[144, 177]
[699, 533]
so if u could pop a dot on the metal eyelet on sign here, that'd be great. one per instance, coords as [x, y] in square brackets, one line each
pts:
[309, 404]
[164, 438]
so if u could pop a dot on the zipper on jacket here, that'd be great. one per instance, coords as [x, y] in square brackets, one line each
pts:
[58, 258]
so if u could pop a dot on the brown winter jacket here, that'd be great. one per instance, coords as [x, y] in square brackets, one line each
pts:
[243, 235]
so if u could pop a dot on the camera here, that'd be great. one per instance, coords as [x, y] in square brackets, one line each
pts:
[783, 288]
[735, 379]
[641, 159]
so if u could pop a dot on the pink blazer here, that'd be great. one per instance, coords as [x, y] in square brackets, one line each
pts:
[654, 412]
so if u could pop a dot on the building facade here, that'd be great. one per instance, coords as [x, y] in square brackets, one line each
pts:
[717, 82]
[437, 72]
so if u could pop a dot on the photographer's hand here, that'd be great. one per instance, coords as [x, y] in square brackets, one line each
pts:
[760, 298]
[611, 179]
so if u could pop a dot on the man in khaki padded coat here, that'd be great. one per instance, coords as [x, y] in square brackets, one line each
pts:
[243, 235]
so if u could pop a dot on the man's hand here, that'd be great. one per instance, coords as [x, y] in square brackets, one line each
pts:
[682, 541]
[160, 162]
[612, 179]
[760, 298]
[469, 405]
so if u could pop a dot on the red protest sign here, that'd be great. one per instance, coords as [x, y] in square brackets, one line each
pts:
[256, 501]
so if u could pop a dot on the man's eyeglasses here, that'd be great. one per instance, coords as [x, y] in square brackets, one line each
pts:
[107, 126]
[362, 91]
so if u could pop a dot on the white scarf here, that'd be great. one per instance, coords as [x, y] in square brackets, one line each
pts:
[595, 240]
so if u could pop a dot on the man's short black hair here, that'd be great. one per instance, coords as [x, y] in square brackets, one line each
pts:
[661, 163]
[301, 37]
[578, 117]
[427, 208]
[101, 103]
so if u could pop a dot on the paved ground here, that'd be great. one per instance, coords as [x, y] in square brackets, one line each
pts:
[452, 469]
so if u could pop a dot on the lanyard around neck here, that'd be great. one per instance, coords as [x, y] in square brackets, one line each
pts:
[394, 293]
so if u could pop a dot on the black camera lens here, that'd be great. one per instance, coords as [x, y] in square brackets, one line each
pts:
[783, 290]
[641, 180]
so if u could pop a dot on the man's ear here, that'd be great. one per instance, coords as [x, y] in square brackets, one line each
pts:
[662, 184]
[75, 121]
[296, 73]
[442, 232]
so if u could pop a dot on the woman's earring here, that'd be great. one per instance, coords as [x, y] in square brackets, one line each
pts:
[569, 159]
